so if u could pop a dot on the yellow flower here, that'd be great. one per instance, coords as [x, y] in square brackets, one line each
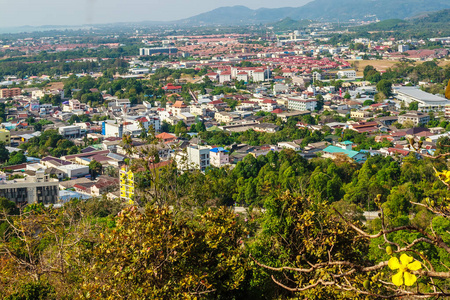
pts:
[406, 265]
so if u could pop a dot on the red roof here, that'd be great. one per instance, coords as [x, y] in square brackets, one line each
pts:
[399, 151]
[165, 136]
[179, 104]
[170, 86]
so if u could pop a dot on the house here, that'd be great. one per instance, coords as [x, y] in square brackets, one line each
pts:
[364, 127]
[361, 114]
[166, 137]
[170, 88]
[266, 127]
[178, 108]
[344, 148]
[289, 145]
[224, 117]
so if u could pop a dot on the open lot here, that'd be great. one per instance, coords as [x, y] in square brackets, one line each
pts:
[382, 65]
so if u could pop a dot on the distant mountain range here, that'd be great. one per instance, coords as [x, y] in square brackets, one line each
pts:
[290, 17]
[321, 10]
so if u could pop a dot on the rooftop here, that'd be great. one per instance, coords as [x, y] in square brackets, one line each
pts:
[416, 93]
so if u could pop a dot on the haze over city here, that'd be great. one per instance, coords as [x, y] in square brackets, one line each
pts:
[54, 12]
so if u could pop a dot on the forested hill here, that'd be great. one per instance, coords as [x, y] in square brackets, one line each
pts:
[436, 23]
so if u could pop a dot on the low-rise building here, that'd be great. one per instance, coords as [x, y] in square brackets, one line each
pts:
[289, 145]
[426, 101]
[416, 118]
[344, 148]
[360, 114]
[350, 74]
[302, 104]
[225, 117]
[70, 131]
[31, 189]
[5, 136]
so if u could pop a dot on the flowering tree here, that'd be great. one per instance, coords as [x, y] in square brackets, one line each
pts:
[323, 251]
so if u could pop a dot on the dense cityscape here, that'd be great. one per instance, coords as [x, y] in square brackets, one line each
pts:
[290, 159]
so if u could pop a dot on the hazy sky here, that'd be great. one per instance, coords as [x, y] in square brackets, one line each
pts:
[77, 12]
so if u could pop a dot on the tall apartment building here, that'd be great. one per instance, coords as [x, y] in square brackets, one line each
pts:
[127, 191]
[195, 157]
[32, 189]
[9, 93]
[198, 156]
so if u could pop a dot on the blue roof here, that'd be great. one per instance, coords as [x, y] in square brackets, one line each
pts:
[334, 149]
[218, 149]
[347, 143]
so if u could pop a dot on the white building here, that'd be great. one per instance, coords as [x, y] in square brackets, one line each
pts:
[74, 170]
[427, 102]
[70, 131]
[302, 104]
[350, 74]
[219, 157]
[289, 145]
[225, 77]
[196, 157]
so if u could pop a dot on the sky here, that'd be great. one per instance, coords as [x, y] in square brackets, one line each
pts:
[78, 12]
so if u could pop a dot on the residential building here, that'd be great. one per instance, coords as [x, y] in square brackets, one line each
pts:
[70, 131]
[416, 118]
[225, 77]
[196, 157]
[302, 104]
[112, 129]
[127, 185]
[166, 137]
[219, 157]
[31, 189]
[289, 145]
[350, 74]
[74, 170]
[225, 117]
[344, 148]
[170, 88]
[9, 93]
[266, 127]
[360, 114]
[178, 108]
[5, 136]
[187, 118]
